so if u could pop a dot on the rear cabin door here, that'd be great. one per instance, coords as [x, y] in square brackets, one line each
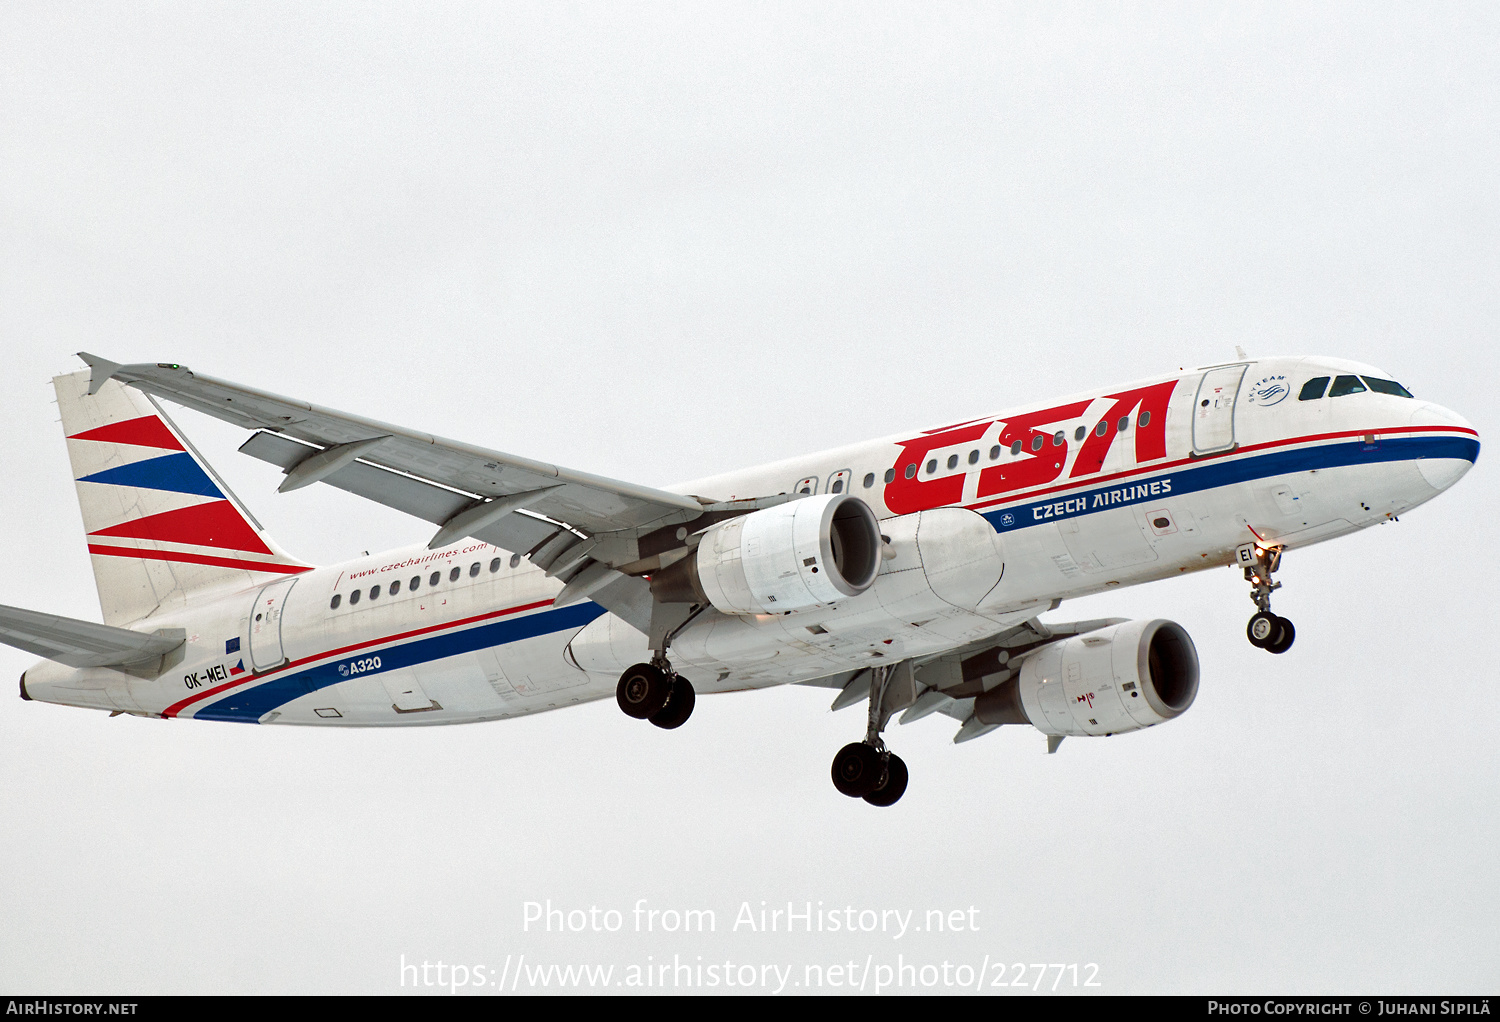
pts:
[1213, 410]
[265, 625]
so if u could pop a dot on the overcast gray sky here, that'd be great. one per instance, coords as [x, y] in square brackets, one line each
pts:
[661, 241]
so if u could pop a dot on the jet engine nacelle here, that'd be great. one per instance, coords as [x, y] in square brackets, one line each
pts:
[805, 553]
[1121, 678]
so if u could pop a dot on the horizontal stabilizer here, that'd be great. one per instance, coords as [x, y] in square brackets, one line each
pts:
[83, 643]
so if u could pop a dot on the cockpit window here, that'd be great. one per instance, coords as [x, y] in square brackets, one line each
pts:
[1387, 387]
[1346, 385]
[1313, 389]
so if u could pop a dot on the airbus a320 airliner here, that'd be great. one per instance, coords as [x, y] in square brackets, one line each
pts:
[908, 573]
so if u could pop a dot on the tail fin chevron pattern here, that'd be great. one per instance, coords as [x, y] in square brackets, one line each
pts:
[160, 524]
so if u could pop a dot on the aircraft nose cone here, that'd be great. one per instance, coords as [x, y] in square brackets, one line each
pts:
[1445, 468]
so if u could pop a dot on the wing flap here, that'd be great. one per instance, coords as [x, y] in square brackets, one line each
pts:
[627, 597]
[584, 501]
[426, 501]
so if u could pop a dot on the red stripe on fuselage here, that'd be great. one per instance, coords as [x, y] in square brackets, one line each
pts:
[1074, 484]
[177, 707]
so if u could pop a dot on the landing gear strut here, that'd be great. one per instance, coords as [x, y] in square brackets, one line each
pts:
[1265, 630]
[653, 691]
[867, 769]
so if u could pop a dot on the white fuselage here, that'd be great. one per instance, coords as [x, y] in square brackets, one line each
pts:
[989, 521]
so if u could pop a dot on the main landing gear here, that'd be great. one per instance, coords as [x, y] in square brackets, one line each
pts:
[867, 769]
[656, 693]
[653, 691]
[1265, 630]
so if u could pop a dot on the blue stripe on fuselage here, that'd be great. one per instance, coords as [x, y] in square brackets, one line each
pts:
[250, 704]
[1227, 471]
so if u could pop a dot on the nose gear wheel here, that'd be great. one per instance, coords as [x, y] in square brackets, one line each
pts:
[1265, 630]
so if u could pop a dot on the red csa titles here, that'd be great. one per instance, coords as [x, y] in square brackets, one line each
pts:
[1044, 451]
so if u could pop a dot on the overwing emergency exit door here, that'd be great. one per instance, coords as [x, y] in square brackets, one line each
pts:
[1213, 409]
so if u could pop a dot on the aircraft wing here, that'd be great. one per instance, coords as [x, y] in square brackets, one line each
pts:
[948, 682]
[553, 514]
[83, 643]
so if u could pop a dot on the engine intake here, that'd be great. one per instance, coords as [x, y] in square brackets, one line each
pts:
[805, 553]
[1117, 679]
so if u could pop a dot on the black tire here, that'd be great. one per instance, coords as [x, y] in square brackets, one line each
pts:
[679, 705]
[1285, 639]
[889, 793]
[857, 770]
[643, 691]
[1263, 629]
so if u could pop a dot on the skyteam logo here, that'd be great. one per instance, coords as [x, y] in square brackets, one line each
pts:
[1269, 391]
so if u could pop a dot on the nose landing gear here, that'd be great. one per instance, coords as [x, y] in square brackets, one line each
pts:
[867, 769]
[1265, 630]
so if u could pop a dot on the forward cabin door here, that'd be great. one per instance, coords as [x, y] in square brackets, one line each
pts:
[1213, 410]
[265, 625]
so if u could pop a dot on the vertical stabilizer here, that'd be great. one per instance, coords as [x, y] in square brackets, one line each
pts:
[161, 525]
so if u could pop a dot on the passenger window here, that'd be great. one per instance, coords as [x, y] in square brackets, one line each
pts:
[1387, 387]
[453, 575]
[837, 487]
[374, 592]
[515, 559]
[1123, 424]
[494, 565]
[1313, 389]
[474, 570]
[1079, 434]
[890, 475]
[1344, 385]
[395, 587]
[974, 456]
[995, 453]
[1036, 443]
[354, 597]
[338, 598]
[415, 583]
[953, 461]
[869, 480]
[1144, 420]
[1058, 438]
[437, 576]
[931, 466]
[1101, 429]
[1015, 448]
